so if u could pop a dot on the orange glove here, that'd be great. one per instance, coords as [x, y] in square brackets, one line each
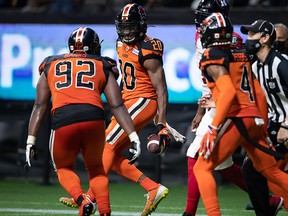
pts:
[207, 144]
[163, 134]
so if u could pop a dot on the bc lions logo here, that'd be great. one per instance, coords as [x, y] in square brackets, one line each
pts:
[141, 12]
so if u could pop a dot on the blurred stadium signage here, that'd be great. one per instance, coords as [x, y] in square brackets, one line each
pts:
[24, 46]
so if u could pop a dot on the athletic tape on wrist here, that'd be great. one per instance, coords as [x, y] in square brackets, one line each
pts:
[133, 136]
[31, 140]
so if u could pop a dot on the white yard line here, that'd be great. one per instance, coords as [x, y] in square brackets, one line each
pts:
[59, 212]
[74, 212]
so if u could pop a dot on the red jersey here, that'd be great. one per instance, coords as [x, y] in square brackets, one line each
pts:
[135, 78]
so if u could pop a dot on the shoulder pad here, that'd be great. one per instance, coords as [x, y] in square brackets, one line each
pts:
[110, 60]
[109, 64]
[152, 46]
[213, 54]
[46, 61]
[44, 66]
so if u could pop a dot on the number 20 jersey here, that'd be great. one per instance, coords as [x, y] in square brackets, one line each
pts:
[135, 78]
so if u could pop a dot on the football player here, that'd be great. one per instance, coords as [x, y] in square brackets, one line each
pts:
[241, 112]
[204, 115]
[78, 119]
[145, 96]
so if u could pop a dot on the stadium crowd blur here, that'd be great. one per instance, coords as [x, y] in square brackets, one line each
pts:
[68, 6]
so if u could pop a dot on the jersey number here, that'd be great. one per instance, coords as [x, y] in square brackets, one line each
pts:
[65, 69]
[157, 45]
[128, 70]
[245, 83]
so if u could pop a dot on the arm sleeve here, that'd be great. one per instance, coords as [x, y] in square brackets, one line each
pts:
[227, 93]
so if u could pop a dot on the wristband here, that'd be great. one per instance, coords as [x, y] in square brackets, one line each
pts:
[282, 126]
[31, 140]
[213, 127]
[133, 136]
[160, 126]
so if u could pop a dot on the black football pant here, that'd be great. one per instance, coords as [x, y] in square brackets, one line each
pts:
[256, 183]
[257, 186]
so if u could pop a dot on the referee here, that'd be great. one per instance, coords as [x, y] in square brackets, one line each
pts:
[271, 69]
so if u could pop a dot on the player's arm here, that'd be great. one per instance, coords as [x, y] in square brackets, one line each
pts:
[157, 76]
[113, 95]
[42, 99]
[197, 119]
[226, 90]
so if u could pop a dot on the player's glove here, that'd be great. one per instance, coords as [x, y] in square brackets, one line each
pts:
[208, 142]
[177, 136]
[135, 149]
[163, 133]
[31, 152]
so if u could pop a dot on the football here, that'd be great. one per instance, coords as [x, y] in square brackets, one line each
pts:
[153, 145]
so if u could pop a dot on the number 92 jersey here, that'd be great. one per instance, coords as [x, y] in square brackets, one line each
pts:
[135, 78]
[77, 78]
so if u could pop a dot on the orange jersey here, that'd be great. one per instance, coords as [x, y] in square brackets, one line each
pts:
[76, 78]
[239, 68]
[135, 78]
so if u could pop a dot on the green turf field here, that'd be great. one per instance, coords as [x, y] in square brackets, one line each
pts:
[31, 198]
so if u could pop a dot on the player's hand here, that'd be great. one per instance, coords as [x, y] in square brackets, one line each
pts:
[206, 101]
[208, 142]
[31, 152]
[135, 151]
[177, 136]
[282, 135]
[163, 133]
[197, 119]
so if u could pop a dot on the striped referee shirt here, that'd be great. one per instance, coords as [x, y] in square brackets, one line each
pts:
[273, 77]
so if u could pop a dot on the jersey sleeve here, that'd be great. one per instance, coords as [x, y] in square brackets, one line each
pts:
[151, 49]
[212, 56]
[110, 65]
[42, 66]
